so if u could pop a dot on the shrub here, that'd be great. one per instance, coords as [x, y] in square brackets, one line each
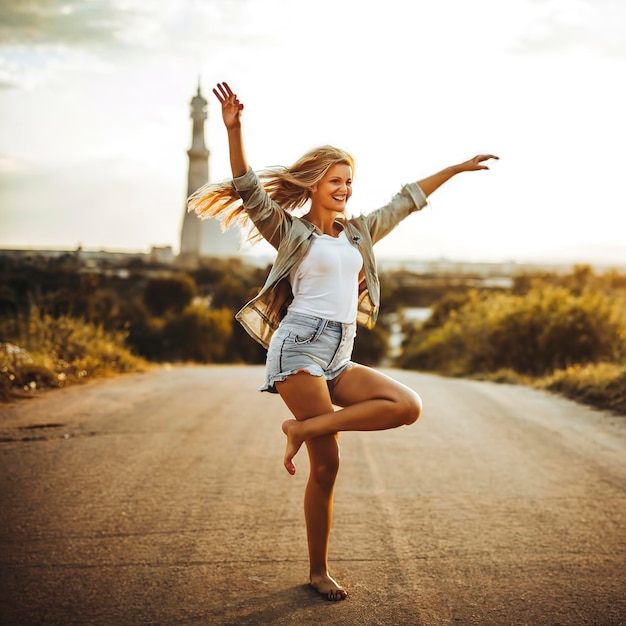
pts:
[43, 351]
[547, 328]
[602, 385]
[198, 334]
[169, 293]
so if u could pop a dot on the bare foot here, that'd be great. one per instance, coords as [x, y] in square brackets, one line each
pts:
[329, 587]
[292, 429]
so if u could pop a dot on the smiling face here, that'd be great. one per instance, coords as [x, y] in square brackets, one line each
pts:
[331, 193]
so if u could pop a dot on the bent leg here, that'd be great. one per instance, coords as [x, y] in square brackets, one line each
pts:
[361, 384]
[371, 401]
[306, 396]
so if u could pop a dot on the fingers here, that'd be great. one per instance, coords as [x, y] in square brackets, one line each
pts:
[224, 94]
[478, 159]
[484, 157]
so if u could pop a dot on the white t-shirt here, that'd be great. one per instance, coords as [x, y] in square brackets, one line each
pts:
[326, 283]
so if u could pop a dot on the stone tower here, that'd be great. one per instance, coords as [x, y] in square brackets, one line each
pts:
[202, 237]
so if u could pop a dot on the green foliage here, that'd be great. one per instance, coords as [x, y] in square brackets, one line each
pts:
[163, 294]
[552, 328]
[535, 329]
[163, 313]
[198, 334]
[62, 322]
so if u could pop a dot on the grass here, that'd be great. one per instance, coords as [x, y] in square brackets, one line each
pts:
[38, 352]
[601, 385]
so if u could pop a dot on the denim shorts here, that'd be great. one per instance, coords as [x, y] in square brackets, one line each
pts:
[304, 342]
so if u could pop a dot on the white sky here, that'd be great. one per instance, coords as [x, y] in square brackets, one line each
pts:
[94, 115]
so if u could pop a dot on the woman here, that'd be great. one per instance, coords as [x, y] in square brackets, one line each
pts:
[323, 281]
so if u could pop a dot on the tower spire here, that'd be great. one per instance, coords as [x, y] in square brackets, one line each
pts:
[202, 237]
[198, 175]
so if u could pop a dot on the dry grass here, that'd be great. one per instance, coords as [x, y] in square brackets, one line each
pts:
[602, 385]
[41, 352]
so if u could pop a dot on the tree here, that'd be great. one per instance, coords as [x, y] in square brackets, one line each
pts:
[169, 293]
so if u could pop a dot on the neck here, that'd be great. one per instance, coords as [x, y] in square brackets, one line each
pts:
[325, 223]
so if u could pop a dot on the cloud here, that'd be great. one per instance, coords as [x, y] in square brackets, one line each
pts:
[576, 25]
[127, 23]
[43, 39]
[66, 22]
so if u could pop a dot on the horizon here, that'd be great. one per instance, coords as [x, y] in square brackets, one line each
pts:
[564, 258]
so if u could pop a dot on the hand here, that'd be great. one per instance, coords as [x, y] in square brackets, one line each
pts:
[231, 107]
[476, 163]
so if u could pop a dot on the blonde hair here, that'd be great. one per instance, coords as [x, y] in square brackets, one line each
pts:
[287, 186]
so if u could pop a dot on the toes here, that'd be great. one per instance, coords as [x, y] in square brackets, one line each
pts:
[330, 590]
[337, 594]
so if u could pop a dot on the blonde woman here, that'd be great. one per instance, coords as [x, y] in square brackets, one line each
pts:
[322, 283]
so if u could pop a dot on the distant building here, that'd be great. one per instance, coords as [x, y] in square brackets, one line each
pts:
[202, 238]
[161, 254]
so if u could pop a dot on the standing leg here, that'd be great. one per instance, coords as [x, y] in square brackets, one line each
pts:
[307, 396]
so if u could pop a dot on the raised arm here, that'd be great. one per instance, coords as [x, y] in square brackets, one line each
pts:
[429, 184]
[231, 114]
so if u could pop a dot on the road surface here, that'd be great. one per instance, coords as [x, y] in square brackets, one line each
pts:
[161, 498]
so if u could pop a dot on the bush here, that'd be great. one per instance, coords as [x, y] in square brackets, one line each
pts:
[43, 351]
[547, 328]
[169, 294]
[602, 385]
[552, 328]
[199, 335]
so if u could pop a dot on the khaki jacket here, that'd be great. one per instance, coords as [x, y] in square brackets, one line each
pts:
[292, 236]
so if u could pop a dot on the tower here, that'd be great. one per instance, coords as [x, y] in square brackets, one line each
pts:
[202, 237]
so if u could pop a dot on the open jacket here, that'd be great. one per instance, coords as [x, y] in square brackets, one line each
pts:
[292, 236]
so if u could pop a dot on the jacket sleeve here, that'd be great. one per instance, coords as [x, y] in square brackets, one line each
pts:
[270, 219]
[383, 220]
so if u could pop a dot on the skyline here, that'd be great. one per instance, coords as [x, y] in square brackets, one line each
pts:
[94, 116]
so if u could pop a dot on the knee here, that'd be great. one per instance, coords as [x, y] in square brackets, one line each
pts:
[409, 408]
[324, 474]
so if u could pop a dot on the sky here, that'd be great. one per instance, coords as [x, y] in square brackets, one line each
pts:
[94, 116]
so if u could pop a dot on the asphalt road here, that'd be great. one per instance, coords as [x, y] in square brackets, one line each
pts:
[162, 499]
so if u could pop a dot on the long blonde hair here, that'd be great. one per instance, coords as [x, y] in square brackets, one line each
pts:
[287, 186]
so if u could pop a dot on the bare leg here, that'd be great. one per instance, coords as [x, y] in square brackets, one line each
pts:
[371, 401]
[318, 497]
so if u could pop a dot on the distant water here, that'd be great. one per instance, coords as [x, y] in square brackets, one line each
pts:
[415, 314]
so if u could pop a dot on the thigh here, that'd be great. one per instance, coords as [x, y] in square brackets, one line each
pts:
[305, 395]
[360, 383]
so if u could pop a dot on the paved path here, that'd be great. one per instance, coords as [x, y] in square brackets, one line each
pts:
[162, 499]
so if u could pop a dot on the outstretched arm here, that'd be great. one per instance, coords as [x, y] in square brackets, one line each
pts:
[429, 184]
[231, 114]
